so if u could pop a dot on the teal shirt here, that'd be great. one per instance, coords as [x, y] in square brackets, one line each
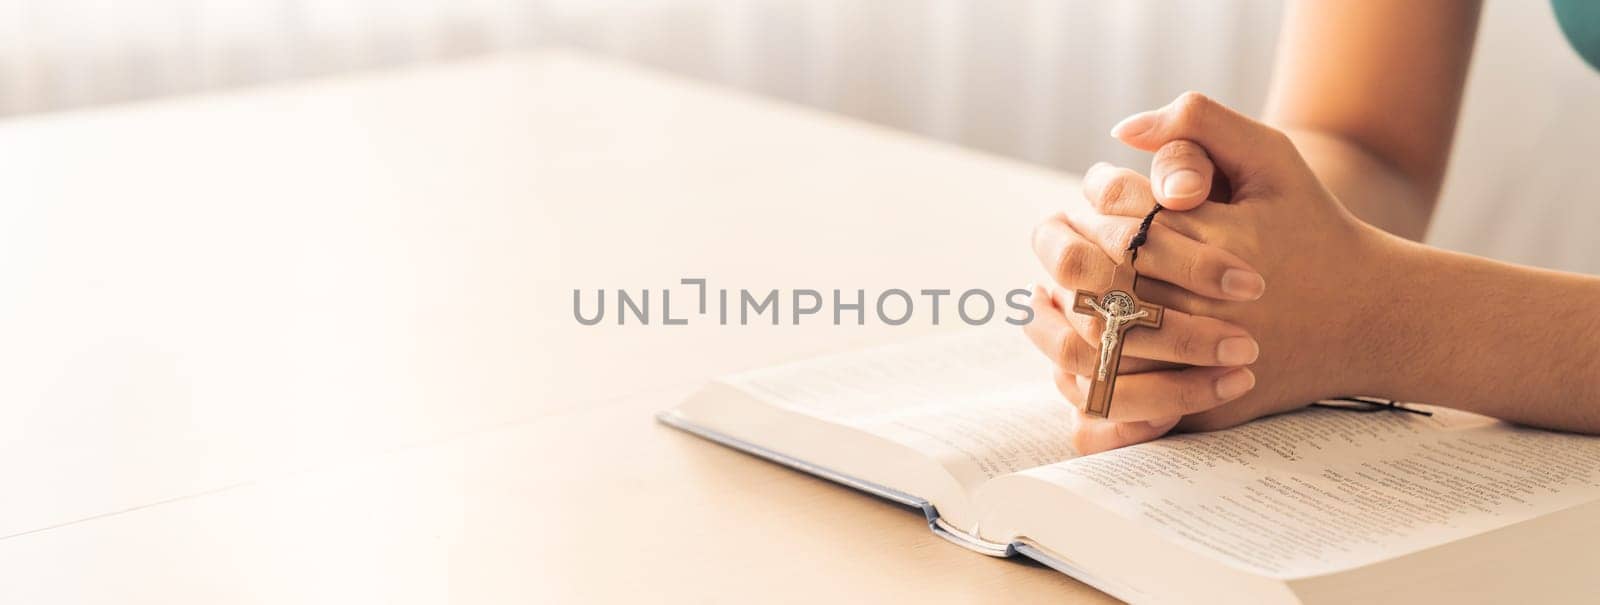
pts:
[1580, 21]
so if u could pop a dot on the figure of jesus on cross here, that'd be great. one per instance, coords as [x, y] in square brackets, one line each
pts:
[1121, 309]
[1118, 310]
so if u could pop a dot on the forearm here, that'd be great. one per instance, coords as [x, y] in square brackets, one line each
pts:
[1370, 90]
[1513, 342]
[1373, 190]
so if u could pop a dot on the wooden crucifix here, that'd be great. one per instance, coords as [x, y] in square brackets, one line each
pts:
[1121, 309]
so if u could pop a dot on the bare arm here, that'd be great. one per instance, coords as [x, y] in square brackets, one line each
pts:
[1514, 342]
[1369, 91]
[1380, 315]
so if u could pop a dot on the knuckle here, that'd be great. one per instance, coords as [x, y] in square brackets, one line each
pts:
[1072, 262]
[1185, 346]
[1191, 106]
[1116, 186]
[1180, 151]
[1195, 269]
[1191, 99]
[1117, 234]
[1194, 395]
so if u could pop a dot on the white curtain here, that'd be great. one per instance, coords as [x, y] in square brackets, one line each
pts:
[65, 53]
[1040, 80]
[1036, 79]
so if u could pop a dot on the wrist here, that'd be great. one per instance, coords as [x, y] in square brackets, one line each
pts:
[1368, 185]
[1382, 335]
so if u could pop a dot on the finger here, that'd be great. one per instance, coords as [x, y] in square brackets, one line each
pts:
[1094, 435]
[1166, 394]
[1167, 255]
[1072, 260]
[1117, 191]
[1238, 145]
[1183, 171]
[1054, 336]
[1182, 339]
[1170, 296]
[1091, 434]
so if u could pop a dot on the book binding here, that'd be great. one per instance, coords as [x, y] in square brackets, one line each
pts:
[939, 527]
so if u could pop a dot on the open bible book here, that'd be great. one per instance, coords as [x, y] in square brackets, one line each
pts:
[1317, 506]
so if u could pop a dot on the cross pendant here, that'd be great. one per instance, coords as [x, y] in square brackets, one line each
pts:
[1120, 309]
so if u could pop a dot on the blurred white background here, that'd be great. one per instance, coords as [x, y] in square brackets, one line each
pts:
[1039, 80]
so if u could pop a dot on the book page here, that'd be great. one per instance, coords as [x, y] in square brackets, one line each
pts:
[979, 401]
[1319, 490]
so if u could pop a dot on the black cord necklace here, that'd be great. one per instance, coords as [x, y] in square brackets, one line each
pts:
[1367, 404]
[1143, 234]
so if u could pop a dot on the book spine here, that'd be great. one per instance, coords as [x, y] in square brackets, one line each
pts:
[968, 541]
[678, 422]
[940, 528]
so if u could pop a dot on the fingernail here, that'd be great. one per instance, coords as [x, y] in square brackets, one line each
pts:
[1237, 351]
[1134, 125]
[1242, 284]
[1183, 183]
[1235, 383]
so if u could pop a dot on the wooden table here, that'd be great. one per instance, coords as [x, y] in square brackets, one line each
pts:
[315, 342]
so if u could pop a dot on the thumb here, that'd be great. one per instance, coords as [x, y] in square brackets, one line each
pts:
[1242, 148]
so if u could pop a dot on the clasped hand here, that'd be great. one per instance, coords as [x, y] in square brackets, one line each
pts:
[1258, 289]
